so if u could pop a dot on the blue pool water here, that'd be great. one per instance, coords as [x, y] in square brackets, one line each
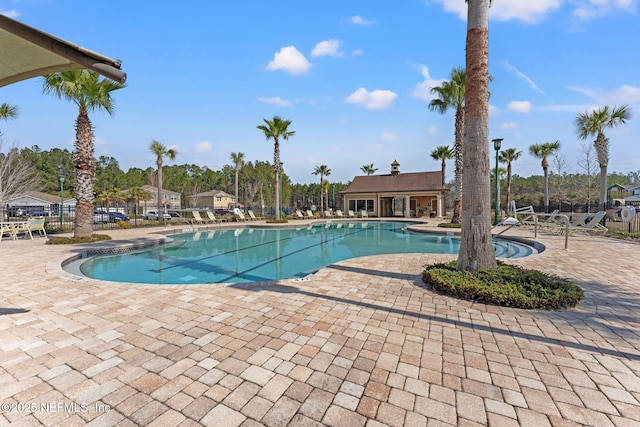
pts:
[256, 255]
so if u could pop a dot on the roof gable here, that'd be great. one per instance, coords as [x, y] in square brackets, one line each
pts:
[402, 182]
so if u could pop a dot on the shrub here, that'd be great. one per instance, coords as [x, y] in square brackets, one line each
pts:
[72, 240]
[449, 225]
[124, 225]
[277, 221]
[507, 285]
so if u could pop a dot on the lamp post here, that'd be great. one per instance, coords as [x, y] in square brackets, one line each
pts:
[280, 192]
[61, 177]
[496, 145]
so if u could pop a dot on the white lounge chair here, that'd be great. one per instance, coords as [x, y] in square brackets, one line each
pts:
[310, 215]
[351, 214]
[339, 214]
[299, 215]
[241, 216]
[327, 214]
[593, 225]
[197, 218]
[253, 216]
[213, 218]
[364, 214]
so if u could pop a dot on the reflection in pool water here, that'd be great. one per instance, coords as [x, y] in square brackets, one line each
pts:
[256, 255]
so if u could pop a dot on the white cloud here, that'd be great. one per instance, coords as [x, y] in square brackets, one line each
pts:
[99, 141]
[359, 20]
[532, 12]
[13, 14]
[596, 8]
[433, 130]
[520, 106]
[375, 100]
[624, 95]
[357, 52]
[289, 59]
[387, 136]
[522, 76]
[276, 101]
[507, 125]
[327, 48]
[422, 90]
[203, 146]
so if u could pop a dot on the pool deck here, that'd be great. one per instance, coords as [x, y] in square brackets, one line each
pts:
[359, 343]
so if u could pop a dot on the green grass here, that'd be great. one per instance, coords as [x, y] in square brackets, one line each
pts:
[507, 285]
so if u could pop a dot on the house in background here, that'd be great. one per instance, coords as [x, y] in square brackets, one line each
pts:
[413, 194]
[170, 199]
[37, 203]
[214, 199]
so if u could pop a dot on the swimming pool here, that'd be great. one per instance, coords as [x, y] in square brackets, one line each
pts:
[265, 254]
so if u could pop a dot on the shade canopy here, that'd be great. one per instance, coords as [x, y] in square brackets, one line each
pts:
[26, 52]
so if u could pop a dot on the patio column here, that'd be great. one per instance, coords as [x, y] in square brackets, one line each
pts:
[407, 206]
[440, 206]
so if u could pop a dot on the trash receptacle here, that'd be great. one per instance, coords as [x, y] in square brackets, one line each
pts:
[432, 214]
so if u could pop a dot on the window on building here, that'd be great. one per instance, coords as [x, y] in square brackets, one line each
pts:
[361, 205]
[219, 199]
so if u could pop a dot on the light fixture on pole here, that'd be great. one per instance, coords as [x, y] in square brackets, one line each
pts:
[496, 145]
[61, 178]
[280, 193]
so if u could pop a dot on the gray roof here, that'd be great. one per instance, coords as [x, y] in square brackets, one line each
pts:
[27, 52]
[402, 182]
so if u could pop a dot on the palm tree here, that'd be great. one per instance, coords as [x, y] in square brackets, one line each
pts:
[276, 129]
[476, 248]
[451, 95]
[542, 151]
[323, 171]
[136, 194]
[442, 153]
[594, 124]
[238, 162]
[89, 93]
[160, 152]
[368, 169]
[8, 112]
[509, 156]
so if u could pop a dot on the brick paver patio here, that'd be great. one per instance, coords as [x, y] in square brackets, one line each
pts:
[360, 343]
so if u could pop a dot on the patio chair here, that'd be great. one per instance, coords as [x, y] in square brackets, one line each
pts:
[593, 225]
[327, 214]
[253, 216]
[197, 218]
[339, 214]
[299, 215]
[37, 224]
[241, 216]
[23, 227]
[7, 229]
[364, 214]
[310, 215]
[213, 218]
[560, 225]
[351, 214]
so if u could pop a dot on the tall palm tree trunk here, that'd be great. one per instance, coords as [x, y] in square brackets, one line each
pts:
[321, 193]
[509, 187]
[602, 149]
[160, 198]
[476, 247]
[276, 161]
[85, 174]
[459, 144]
[545, 168]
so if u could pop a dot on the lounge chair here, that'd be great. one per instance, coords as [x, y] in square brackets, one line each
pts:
[37, 224]
[213, 218]
[593, 225]
[351, 214]
[241, 216]
[364, 214]
[561, 225]
[327, 214]
[253, 217]
[339, 214]
[310, 215]
[299, 215]
[197, 218]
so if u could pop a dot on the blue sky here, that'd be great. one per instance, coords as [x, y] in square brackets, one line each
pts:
[353, 76]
